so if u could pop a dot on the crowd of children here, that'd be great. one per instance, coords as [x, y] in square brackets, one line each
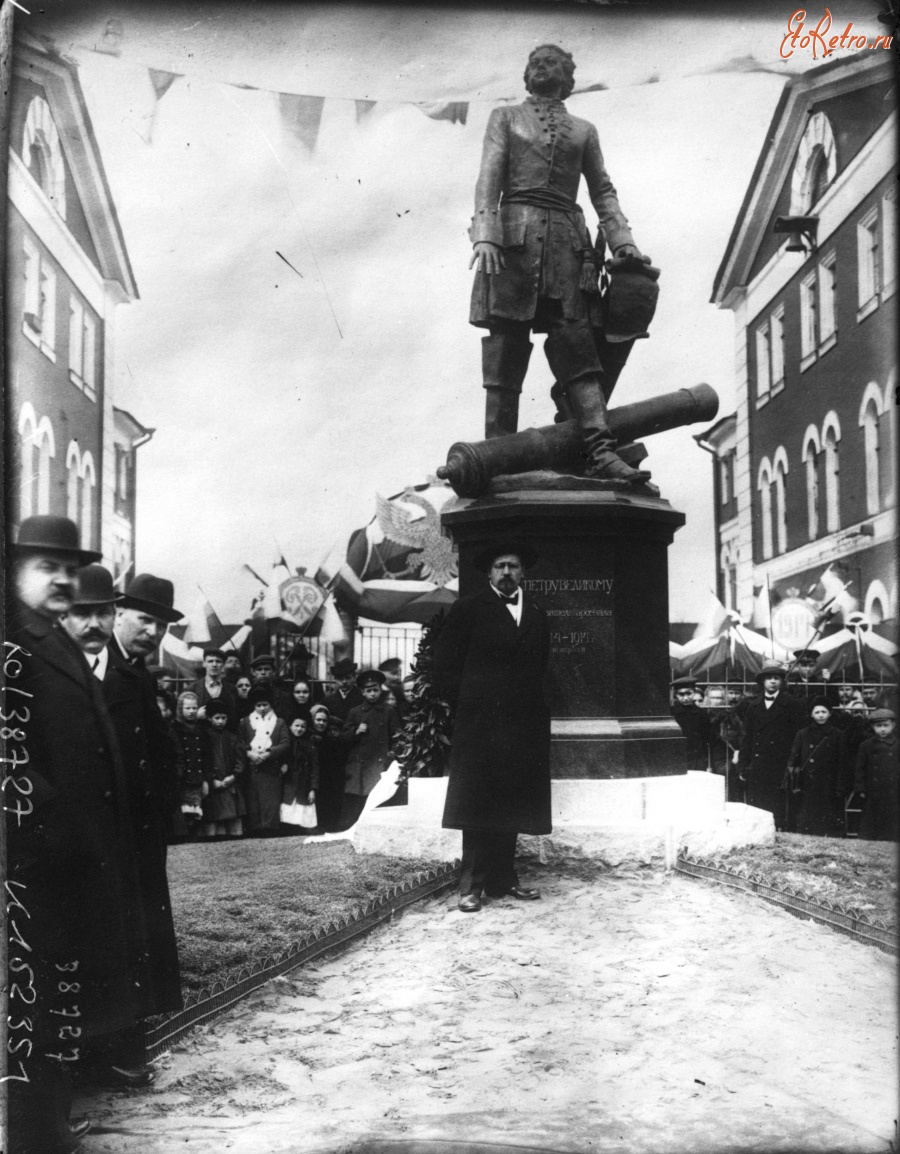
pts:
[256, 760]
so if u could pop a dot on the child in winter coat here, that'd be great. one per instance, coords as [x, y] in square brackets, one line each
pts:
[193, 760]
[877, 779]
[301, 781]
[224, 807]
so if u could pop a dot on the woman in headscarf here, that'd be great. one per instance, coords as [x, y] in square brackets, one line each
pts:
[265, 742]
[332, 759]
[301, 703]
[243, 687]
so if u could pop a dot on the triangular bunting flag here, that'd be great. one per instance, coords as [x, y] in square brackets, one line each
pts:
[162, 81]
[363, 108]
[301, 117]
[456, 111]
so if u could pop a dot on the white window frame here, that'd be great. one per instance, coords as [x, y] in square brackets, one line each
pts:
[889, 243]
[764, 485]
[39, 313]
[780, 470]
[725, 479]
[827, 303]
[868, 261]
[831, 441]
[776, 347]
[763, 364]
[812, 449]
[808, 320]
[82, 348]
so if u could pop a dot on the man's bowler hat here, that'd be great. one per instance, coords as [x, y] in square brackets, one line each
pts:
[94, 586]
[344, 667]
[486, 556]
[46, 533]
[771, 669]
[154, 596]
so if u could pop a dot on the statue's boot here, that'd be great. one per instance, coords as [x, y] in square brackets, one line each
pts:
[504, 363]
[586, 399]
[572, 354]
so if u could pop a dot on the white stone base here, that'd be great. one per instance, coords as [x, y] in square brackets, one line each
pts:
[641, 820]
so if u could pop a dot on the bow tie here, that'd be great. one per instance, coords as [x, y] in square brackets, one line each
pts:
[510, 600]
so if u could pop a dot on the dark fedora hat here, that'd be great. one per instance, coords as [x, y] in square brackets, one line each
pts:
[94, 586]
[344, 667]
[46, 533]
[153, 596]
[486, 556]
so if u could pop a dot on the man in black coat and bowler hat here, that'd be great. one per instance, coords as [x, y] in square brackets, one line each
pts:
[73, 889]
[489, 664]
[347, 695]
[770, 725]
[143, 616]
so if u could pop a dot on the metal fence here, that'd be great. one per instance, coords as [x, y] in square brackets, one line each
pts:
[376, 643]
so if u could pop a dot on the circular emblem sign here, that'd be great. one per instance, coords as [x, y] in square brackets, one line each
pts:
[793, 623]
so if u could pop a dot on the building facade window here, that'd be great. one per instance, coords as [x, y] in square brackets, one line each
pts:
[889, 242]
[868, 263]
[725, 480]
[812, 449]
[38, 448]
[42, 153]
[831, 438]
[73, 481]
[827, 305]
[39, 320]
[779, 475]
[870, 412]
[815, 166]
[764, 485]
[776, 348]
[763, 362]
[81, 481]
[808, 320]
[82, 348]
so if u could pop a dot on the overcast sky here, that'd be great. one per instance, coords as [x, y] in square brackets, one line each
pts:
[284, 400]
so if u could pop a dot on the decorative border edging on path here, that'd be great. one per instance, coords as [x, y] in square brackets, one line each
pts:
[845, 919]
[208, 1003]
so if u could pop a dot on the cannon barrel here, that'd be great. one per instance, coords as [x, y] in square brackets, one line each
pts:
[471, 466]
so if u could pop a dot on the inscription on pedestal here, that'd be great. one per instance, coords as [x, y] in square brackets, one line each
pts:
[577, 594]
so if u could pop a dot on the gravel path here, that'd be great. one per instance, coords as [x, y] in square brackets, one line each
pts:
[634, 1012]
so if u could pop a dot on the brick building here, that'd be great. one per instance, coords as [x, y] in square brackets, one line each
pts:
[805, 479]
[67, 273]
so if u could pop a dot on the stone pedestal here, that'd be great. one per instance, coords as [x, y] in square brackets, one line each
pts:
[602, 578]
[638, 821]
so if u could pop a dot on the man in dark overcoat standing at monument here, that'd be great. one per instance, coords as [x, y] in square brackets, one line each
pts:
[142, 617]
[489, 664]
[72, 867]
[770, 725]
[693, 722]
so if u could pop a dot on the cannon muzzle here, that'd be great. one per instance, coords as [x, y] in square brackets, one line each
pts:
[471, 466]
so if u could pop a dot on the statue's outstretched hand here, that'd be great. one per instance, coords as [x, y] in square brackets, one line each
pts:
[488, 257]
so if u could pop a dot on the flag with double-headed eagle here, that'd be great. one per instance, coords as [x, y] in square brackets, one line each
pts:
[400, 567]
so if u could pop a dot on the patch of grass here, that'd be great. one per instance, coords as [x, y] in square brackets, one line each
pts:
[237, 902]
[854, 872]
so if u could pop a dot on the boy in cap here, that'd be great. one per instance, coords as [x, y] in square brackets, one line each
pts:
[213, 687]
[263, 672]
[877, 779]
[693, 722]
[369, 731]
[346, 695]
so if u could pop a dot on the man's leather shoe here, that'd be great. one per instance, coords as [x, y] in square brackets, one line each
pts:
[523, 894]
[135, 1076]
[470, 903]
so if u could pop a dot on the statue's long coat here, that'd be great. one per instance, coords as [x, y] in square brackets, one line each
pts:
[491, 672]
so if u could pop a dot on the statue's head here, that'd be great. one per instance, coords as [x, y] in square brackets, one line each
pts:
[550, 58]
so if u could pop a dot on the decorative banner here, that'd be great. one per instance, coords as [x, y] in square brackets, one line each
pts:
[302, 599]
[363, 108]
[301, 117]
[162, 81]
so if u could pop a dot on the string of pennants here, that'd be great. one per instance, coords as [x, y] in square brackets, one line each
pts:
[301, 113]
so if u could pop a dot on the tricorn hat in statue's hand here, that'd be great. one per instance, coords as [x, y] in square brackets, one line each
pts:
[152, 595]
[46, 533]
[94, 586]
[485, 557]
